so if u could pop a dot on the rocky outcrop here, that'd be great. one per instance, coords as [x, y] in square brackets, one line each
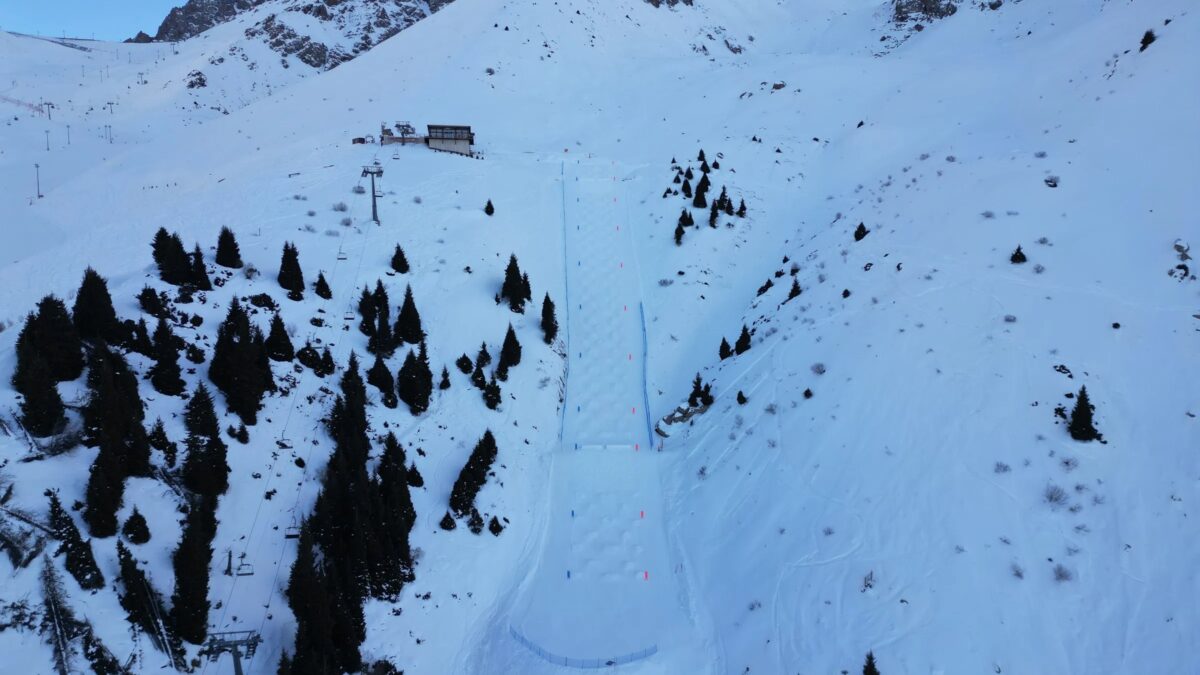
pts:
[197, 16]
[141, 38]
[669, 3]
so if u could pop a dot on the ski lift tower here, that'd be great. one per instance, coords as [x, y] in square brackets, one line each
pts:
[374, 171]
[238, 643]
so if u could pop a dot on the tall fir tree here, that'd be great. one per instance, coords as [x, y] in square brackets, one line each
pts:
[174, 266]
[444, 384]
[380, 377]
[743, 342]
[408, 325]
[165, 373]
[93, 313]
[42, 406]
[549, 321]
[513, 288]
[491, 393]
[228, 253]
[368, 311]
[52, 333]
[1081, 426]
[414, 383]
[679, 235]
[240, 366]
[394, 521]
[81, 563]
[869, 666]
[308, 594]
[279, 344]
[143, 605]
[510, 354]
[725, 351]
[205, 471]
[321, 287]
[198, 273]
[473, 475]
[291, 279]
[135, 528]
[192, 559]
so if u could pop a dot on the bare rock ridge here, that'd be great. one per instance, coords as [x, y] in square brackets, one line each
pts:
[361, 24]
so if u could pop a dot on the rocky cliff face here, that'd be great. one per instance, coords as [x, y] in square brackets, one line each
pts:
[197, 16]
[358, 25]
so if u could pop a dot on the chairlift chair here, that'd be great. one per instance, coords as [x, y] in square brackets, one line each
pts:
[292, 532]
[283, 443]
[245, 569]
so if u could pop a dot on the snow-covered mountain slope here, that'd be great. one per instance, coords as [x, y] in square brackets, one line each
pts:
[891, 511]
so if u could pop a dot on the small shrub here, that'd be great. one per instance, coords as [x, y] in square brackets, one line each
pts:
[1054, 495]
[347, 221]
[309, 227]
[1062, 574]
[1001, 467]
[341, 207]
[311, 213]
[250, 271]
[1017, 571]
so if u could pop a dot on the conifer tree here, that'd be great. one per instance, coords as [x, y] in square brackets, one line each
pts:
[81, 563]
[679, 235]
[725, 351]
[687, 187]
[795, 290]
[526, 290]
[488, 208]
[368, 311]
[240, 366]
[189, 602]
[42, 406]
[445, 383]
[713, 215]
[1018, 257]
[510, 354]
[105, 492]
[310, 358]
[414, 476]
[135, 528]
[93, 313]
[205, 471]
[1082, 427]
[700, 157]
[159, 441]
[198, 274]
[465, 364]
[703, 186]
[415, 383]
[321, 287]
[408, 323]
[291, 279]
[478, 378]
[701, 393]
[228, 253]
[704, 168]
[513, 288]
[700, 201]
[165, 373]
[381, 378]
[153, 303]
[549, 322]
[382, 342]
[447, 522]
[399, 261]
[684, 218]
[743, 342]
[142, 604]
[869, 666]
[483, 359]
[174, 266]
[741, 212]
[327, 364]
[279, 344]
[136, 338]
[688, 175]
[861, 232]
[491, 393]
[308, 596]
[473, 475]
[394, 521]
[51, 332]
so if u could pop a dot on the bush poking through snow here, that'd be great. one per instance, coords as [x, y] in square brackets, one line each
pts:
[1062, 574]
[1055, 496]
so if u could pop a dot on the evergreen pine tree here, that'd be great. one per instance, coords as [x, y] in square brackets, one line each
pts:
[713, 214]
[700, 157]
[399, 261]
[279, 344]
[228, 253]
[174, 266]
[1081, 426]
[687, 187]
[285, 664]
[483, 359]
[382, 342]
[704, 168]
[478, 378]
[795, 290]
[81, 563]
[52, 333]
[308, 594]
[310, 358]
[725, 351]
[189, 602]
[860, 232]
[321, 287]
[395, 519]
[700, 201]
[684, 218]
[153, 303]
[526, 290]
[105, 492]
[869, 667]
[679, 235]
[205, 471]
[743, 342]
[368, 311]
[142, 604]
[1017, 257]
[197, 273]
[741, 212]
[488, 208]
[42, 406]
[165, 373]
[510, 354]
[414, 384]
[240, 365]
[465, 364]
[157, 438]
[445, 383]
[549, 322]
[473, 475]
[513, 288]
[703, 186]
[381, 378]
[327, 365]
[291, 279]
[414, 476]
[136, 338]
[491, 393]
[93, 313]
[135, 528]
[447, 522]
[408, 323]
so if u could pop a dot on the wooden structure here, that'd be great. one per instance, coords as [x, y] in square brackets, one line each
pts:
[450, 138]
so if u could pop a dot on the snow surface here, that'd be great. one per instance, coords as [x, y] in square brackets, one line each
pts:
[767, 518]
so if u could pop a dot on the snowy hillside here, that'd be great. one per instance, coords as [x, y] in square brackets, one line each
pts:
[886, 464]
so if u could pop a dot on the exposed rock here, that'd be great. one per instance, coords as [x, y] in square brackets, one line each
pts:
[197, 16]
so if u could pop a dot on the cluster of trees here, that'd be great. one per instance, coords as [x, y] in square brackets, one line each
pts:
[699, 196]
[472, 477]
[742, 345]
[241, 367]
[175, 265]
[701, 395]
[353, 546]
[383, 338]
[515, 288]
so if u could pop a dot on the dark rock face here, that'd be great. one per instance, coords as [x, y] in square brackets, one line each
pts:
[197, 16]
[669, 3]
[141, 38]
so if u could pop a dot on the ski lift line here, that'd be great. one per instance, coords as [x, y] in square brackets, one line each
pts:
[270, 470]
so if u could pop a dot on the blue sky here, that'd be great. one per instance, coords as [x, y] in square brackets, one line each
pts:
[104, 19]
